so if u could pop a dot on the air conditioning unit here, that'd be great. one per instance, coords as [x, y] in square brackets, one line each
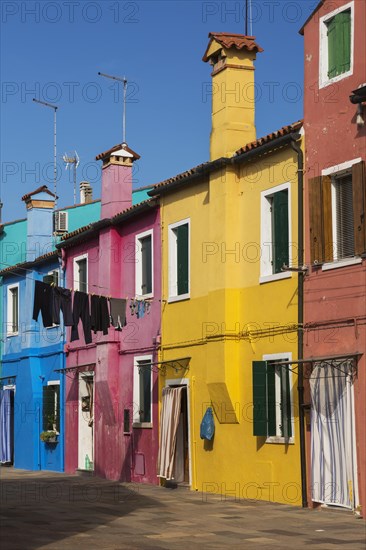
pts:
[60, 222]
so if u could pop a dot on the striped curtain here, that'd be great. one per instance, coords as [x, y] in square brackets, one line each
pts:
[169, 421]
[5, 427]
[333, 438]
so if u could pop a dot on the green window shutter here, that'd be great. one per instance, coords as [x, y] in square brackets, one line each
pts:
[259, 372]
[345, 41]
[146, 265]
[280, 236]
[182, 259]
[332, 48]
[271, 399]
[145, 392]
[286, 424]
[48, 407]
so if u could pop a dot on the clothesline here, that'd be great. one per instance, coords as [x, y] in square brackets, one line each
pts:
[97, 313]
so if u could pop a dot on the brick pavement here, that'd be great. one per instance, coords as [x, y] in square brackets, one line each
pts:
[57, 511]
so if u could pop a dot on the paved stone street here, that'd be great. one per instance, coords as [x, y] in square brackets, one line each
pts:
[57, 511]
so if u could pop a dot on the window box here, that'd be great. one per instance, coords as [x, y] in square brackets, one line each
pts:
[49, 436]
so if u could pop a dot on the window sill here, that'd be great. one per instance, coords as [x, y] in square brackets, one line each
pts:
[275, 277]
[178, 298]
[328, 81]
[144, 296]
[341, 263]
[142, 425]
[280, 439]
[11, 334]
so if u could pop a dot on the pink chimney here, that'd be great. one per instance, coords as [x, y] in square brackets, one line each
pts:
[116, 179]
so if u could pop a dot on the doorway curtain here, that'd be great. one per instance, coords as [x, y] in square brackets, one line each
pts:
[333, 437]
[169, 422]
[5, 427]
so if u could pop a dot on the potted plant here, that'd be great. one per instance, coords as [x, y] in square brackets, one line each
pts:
[49, 436]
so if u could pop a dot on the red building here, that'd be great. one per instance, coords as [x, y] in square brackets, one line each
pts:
[335, 253]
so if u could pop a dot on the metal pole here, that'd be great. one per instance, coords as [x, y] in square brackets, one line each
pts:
[124, 81]
[54, 107]
[246, 17]
[55, 156]
[124, 109]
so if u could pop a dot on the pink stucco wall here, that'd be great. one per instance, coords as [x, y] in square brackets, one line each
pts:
[336, 300]
[111, 266]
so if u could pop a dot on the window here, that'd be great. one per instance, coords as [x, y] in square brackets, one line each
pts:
[51, 406]
[52, 277]
[144, 264]
[275, 232]
[337, 219]
[336, 45]
[142, 390]
[13, 310]
[272, 403]
[81, 273]
[179, 260]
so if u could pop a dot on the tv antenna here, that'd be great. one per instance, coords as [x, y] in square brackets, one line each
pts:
[54, 107]
[124, 81]
[248, 17]
[72, 161]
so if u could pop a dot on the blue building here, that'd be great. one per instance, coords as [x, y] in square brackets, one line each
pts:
[31, 387]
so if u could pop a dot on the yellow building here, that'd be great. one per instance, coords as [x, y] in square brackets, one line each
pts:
[229, 305]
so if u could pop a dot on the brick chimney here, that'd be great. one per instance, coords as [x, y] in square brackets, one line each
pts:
[116, 179]
[86, 192]
[40, 204]
[233, 107]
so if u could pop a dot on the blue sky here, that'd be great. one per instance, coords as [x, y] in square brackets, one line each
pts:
[53, 50]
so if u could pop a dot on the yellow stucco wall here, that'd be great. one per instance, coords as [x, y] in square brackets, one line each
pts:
[224, 326]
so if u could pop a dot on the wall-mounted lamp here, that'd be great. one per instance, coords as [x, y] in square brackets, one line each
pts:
[360, 120]
[358, 97]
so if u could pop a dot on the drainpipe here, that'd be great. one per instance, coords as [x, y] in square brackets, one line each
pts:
[300, 319]
[62, 374]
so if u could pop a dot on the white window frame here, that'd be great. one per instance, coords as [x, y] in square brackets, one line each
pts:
[138, 269]
[324, 80]
[172, 262]
[76, 282]
[9, 310]
[56, 383]
[341, 169]
[136, 393]
[287, 356]
[266, 267]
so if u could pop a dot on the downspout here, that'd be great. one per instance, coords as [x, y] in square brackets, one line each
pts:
[300, 319]
[62, 264]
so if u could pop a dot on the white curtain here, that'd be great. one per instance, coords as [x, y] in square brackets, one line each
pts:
[169, 421]
[333, 437]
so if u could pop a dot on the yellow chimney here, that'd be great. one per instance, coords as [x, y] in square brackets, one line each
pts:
[233, 94]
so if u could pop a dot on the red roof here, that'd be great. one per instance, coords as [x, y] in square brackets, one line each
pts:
[229, 40]
[42, 189]
[117, 147]
[270, 137]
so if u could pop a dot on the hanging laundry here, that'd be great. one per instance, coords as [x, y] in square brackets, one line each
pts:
[133, 307]
[141, 309]
[99, 314]
[62, 301]
[43, 302]
[118, 313]
[81, 311]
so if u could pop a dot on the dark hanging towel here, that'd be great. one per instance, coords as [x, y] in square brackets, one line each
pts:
[62, 301]
[99, 315]
[43, 301]
[118, 313]
[81, 311]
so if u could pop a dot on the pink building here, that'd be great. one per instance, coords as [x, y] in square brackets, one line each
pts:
[111, 396]
[335, 251]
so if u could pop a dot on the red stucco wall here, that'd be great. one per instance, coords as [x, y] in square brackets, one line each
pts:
[336, 298]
